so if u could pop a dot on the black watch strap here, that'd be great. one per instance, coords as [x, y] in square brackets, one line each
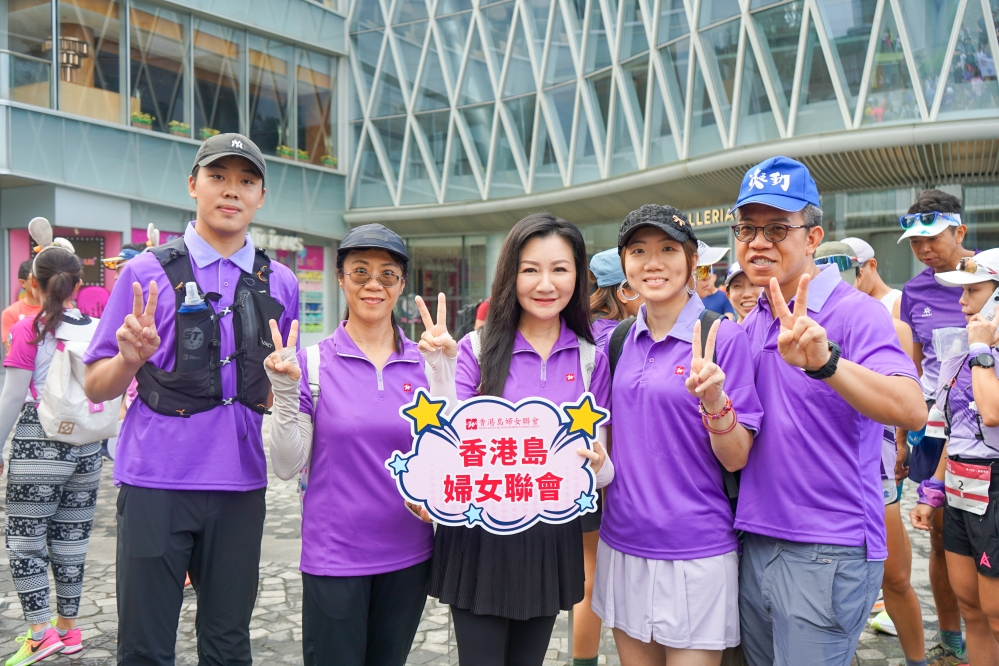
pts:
[829, 369]
[982, 361]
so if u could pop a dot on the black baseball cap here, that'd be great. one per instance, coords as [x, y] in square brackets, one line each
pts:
[667, 218]
[373, 237]
[225, 145]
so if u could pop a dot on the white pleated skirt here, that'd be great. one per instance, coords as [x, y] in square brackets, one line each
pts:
[684, 604]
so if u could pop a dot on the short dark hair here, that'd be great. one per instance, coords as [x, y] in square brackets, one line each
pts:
[935, 200]
[24, 270]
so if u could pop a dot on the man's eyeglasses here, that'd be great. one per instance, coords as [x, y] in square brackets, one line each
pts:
[842, 261]
[362, 277]
[774, 233]
[928, 219]
[702, 272]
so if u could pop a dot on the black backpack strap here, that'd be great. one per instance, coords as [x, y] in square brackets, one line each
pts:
[730, 479]
[616, 342]
[178, 272]
[261, 272]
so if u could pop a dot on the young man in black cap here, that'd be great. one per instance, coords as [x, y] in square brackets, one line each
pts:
[188, 320]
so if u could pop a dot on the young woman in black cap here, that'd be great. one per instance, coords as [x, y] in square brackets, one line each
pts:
[365, 557]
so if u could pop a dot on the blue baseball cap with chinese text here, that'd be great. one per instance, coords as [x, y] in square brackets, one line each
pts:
[779, 182]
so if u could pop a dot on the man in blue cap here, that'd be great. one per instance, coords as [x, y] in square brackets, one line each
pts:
[811, 499]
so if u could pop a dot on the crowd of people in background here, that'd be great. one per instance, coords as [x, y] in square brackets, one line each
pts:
[750, 475]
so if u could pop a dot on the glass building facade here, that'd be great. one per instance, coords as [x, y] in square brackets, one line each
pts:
[465, 115]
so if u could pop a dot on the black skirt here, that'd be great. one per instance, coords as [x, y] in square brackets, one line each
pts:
[535, 573]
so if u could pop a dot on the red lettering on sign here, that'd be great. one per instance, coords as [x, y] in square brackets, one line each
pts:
[519, 487]
[473, 451]
[548, 485]
[458, 490]
[534, 451]
[487, 489]
[505, 451]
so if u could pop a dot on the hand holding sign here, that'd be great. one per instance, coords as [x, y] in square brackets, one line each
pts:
[597, 456]
[802, 341]
[435, 338]
[706, 380]
[277, 362]
[981, 330]
[137, 337]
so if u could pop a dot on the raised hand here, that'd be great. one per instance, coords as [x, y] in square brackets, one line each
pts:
[436, 338]
[982, 330]
[706, 380]
[802, 341]
[137, 337]
[284, 364]
[597, 455]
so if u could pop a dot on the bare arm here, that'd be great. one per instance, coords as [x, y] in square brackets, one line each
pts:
[984, 383]
[917, 357]
[892, 400]
[109, 378]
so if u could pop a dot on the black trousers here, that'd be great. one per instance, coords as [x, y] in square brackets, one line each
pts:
[490, 640]
[362, 620]
[213, 535]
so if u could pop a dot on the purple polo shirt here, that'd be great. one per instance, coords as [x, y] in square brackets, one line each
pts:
[666, 473]
[602, 331]
[558, 379]
[354, 522]
[926, 306]
[221, 449]
[814, 474]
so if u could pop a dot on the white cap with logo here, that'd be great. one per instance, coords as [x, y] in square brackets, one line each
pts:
[982, 267]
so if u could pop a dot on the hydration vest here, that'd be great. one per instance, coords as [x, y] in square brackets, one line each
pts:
[952, 367]
[195, 385]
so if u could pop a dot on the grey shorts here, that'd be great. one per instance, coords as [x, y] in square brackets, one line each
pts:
[804, 603]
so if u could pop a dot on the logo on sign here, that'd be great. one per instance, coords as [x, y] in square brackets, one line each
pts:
[471, 424]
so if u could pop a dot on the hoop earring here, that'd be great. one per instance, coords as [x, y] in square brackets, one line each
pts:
[691, 292]
[620, 292]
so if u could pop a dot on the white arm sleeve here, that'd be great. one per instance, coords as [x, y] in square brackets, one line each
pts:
[15, 390]
[440, 371]
[606, 473]
[291, 430]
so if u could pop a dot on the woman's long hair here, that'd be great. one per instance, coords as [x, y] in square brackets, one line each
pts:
[604, 304]
[342, 258]
[58, 272]
[504, 309]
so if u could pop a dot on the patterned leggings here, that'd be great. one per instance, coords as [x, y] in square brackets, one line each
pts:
[51, 495]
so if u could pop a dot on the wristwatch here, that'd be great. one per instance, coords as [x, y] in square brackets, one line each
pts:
[982, 361]
[829, 369]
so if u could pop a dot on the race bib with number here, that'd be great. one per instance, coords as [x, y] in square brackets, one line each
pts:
[968, 486]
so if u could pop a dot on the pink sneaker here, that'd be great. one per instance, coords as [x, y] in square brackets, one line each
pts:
[73, 642]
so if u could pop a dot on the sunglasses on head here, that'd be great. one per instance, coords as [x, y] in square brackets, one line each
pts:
[929, 218]
[702, 272]
[843, 262]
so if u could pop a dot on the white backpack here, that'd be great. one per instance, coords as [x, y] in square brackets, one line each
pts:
[65, 413]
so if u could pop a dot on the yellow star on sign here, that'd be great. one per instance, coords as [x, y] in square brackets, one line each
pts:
[585, 416]
[425, 413]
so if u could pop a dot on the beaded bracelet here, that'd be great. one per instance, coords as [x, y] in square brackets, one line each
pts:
[720, 415]
[735, 422]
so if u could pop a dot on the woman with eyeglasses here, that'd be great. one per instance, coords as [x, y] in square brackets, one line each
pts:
[667, 578]
[505, 591]
[365, 558]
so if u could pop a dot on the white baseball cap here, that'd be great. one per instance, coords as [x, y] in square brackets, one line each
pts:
[861, 249]
[708, 256]
[940, 221]
[982, 267]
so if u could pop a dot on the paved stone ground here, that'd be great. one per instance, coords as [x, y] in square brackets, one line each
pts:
[276, 629]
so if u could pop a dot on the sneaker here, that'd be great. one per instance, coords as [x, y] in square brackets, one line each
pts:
[73, 640]
[32, 651]
[941, 655]
[881, 622]
[879, 605]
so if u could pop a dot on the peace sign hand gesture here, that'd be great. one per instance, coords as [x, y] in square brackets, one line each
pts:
[284, 360]
[706, 380]
[982, 330]
[435, 338]
[802, 341]
[137, 338]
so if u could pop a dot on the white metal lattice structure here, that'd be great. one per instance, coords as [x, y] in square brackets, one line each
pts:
[469, 100]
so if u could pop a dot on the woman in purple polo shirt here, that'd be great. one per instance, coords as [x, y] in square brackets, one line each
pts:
[966, 483]
[667, 562]
[365, 557]
[505, 591]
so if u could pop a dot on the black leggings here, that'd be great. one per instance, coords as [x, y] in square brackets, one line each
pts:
[489, 640]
